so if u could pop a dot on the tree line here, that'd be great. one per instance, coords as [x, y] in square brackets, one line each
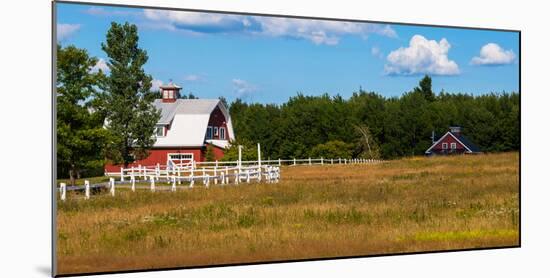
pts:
[369, 125]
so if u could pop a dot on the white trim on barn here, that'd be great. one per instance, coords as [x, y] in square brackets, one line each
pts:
[179, 157]
[448, 132]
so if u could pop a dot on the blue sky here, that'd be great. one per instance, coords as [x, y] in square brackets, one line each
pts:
[267, 60]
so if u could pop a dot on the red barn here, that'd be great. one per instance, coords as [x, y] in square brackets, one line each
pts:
[185, 129]
[453, 142]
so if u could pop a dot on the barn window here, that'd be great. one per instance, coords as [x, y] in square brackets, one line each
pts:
[453, 146]
[444, 146]
[215, 131]
[209, 132]
[170, 94]
[159, 131]
[222, 133]
[164, 94]
[180, 157]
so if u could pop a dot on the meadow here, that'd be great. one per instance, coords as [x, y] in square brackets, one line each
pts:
[399, 206]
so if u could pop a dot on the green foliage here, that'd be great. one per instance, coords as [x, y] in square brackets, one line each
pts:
[127, 100]
[333, 149]
[249, 151]
[189, 96]
[79, 127]
[425, 88]
[209, 155]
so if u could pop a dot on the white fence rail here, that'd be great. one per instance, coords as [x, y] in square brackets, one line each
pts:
[207, 173]
[174, 168]
[223, 175]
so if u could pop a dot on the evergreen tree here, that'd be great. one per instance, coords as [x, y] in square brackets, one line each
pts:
[425, 87]
[80, 134]
[131, 117]
[209, 155]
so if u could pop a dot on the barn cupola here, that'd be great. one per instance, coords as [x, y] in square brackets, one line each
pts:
[455, 130]
[170, 92]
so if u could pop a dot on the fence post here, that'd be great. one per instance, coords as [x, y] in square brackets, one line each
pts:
[173, 184]
[222, 176]
[207, 181]
[240, 156]
[345, 161]
[295, 161]
[247, 176]
[279, 162]
[227, 174]
[203, 176]
[112, 184]
[86, 189]
[158, 171]
[259, 163]
[310, 161]
[152, 183]
[216, 163]
[192, 177]
[332, 161]
[236, 177]
[260, 174]
[179, 175]
[121, 174]
[63, 189]
[321, 161]
[133, 180]
[216, 173]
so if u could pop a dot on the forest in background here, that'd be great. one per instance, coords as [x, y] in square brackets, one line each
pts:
[369, 125]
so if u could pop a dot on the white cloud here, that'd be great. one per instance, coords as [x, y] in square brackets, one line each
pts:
[65, 30]
[493, 54]
[422, 56]
[195, 21]
[320, 31]
[193, 78]
[242, 88]
[376, 52]
[100, 65]
[99, 11]
[317, 31]
[155, 85]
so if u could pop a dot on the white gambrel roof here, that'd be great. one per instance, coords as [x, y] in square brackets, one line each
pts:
[188, 119]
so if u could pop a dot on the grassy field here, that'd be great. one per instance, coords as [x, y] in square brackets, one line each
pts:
[408, 205]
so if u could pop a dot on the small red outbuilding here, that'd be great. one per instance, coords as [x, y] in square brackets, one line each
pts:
[453, 142]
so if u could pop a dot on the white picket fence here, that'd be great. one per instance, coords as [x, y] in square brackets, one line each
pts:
[216, 172]
[206, 175]
[193, 167]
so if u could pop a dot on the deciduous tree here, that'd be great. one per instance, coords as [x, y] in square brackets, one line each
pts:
[131, 116]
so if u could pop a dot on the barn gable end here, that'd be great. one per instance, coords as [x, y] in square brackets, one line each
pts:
[453, 142]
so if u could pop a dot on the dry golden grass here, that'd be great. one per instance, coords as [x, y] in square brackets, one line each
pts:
[408, 205]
